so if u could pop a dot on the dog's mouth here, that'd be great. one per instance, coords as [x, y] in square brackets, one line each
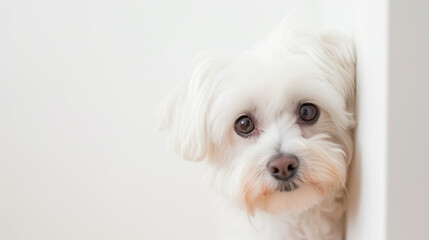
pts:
[287, 186]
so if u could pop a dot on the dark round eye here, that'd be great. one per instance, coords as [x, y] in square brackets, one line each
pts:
[308, 113]
[243, 126]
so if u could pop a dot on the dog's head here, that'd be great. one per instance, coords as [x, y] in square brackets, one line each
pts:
[275, 123]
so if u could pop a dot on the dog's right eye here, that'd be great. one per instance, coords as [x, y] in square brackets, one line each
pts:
[244, 126]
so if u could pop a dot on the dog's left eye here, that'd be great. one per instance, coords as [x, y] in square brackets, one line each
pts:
[308, 113]
[244, 126]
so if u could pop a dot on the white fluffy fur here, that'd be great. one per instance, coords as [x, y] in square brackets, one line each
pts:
[292, 65]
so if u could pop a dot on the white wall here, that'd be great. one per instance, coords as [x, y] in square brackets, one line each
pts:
[367, 183]
[388, 188]
[408, 117]
[79, 80]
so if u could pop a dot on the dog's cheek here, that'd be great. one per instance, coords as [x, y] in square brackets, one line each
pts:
[326, 169]
[252, 189]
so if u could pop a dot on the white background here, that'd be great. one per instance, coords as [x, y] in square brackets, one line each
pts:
[80, 82]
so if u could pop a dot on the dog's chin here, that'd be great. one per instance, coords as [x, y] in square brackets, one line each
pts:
[285, 197]
[274, 195]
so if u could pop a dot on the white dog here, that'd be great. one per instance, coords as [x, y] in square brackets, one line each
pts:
[274, 125]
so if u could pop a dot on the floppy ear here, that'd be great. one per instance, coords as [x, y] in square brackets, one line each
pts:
[184, 113]
[341, 51]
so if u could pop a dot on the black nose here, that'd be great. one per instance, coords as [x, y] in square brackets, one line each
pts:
[283, 167]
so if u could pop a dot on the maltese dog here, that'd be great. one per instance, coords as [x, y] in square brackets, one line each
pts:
[274, 126]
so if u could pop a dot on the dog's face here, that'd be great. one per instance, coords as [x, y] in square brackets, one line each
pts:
[275, 123]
